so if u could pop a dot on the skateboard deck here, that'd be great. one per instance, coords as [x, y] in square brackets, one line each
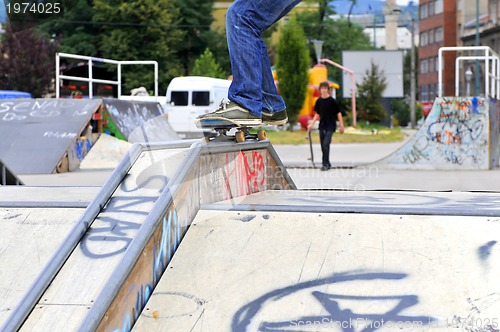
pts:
[220, 129]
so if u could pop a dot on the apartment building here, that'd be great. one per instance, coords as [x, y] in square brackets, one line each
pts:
[451, 23]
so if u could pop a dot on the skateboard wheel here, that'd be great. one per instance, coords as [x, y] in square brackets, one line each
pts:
[261, 135]
[240, 136]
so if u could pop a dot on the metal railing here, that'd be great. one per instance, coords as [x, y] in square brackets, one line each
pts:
[90, 79]
[492, 70]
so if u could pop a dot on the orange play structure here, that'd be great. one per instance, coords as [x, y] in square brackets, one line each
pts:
[317, 74]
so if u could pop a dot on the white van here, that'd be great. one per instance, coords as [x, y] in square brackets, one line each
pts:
[191, 96]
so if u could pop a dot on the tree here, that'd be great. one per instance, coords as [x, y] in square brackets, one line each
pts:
[337, 35]
[293, 64]
[75, 30]
[140, 30]
[206, 66]
[369, 95]
[195, 17]
[27, 62]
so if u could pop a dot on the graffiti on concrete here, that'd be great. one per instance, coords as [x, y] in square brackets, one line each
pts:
[333, 309]
[20, 110]
[245, 173]
[455, 134]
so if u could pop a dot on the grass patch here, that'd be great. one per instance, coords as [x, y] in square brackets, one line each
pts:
[352, 135]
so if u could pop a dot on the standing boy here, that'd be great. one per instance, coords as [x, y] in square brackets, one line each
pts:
[328, 112]
[253, 97]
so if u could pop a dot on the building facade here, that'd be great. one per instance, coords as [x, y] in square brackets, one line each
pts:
[452, 23]
[438, 22]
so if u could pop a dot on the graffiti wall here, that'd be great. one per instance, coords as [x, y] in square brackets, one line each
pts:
[213, 177]
[456, 134]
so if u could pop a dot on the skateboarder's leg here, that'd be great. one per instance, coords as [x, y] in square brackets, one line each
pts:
[245, 22]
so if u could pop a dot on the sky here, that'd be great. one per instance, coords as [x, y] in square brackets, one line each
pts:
[405, 2]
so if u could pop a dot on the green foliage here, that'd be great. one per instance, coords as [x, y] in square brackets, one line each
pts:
[195, 18]
[293, 64]
[140, 30]
[75, 30]
[207, 66]
[337, 36]
[369, 94]
[401, 111]
[26, 62]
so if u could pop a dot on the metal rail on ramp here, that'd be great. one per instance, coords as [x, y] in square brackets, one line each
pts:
[106, 287]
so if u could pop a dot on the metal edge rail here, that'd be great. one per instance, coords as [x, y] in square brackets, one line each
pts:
[120, 274]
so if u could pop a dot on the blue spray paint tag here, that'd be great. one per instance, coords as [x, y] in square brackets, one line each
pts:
[474, 105]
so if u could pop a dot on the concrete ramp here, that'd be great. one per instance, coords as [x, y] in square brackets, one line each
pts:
[298, 271]
[36, 134]
[459, 133]
[103, 274]
[138, 121]
[34, 222]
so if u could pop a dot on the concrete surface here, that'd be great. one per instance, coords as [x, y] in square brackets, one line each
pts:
[349, 172]
[460, 133]
[267, 271]
[88, 268]
[28, 239]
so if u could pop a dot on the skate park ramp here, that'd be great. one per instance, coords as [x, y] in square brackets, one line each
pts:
[106, 153]
[139, 121]
[247, 270]
[460, 133]
[34, 223]
[109, 261]
[35, 134]
[7, 177]
[188, 236]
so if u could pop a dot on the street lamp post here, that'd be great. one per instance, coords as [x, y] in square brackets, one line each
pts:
[468, 76]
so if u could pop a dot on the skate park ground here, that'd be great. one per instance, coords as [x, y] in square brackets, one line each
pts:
[355, 246]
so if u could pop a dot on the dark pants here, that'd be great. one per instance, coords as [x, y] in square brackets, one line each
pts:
[325, 138]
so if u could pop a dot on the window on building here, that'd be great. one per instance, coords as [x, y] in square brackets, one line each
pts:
[423, 38]
[431, 37]
[423, 11]
[423, 93]
[438, 35]
[438, 7]
[431, 65]
[430, 9]
[436, 63]
[424, 66]
[432, 92]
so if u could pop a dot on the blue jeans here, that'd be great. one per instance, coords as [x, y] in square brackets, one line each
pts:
[325, 138]
[253, 84]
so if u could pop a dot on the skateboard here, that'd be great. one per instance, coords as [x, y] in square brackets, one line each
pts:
[310, 146]
[220, 130]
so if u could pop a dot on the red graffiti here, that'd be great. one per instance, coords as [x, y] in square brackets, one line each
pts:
[245, 173]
